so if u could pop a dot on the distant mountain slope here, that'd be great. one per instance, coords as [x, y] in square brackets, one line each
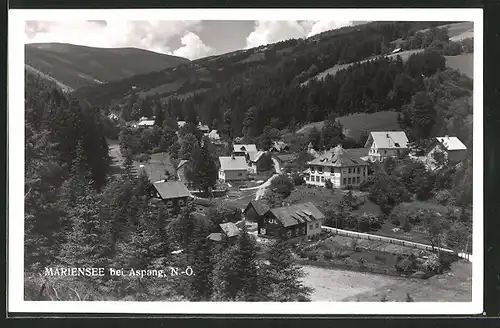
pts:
[78, 66]
[294, 61]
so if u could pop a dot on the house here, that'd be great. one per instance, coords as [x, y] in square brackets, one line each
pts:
[253, 159]
[295, 222]
[395, 51]
[146, 124]
[233, 168]
[214, 136]
[113, 116]
[243, 150]
[310, 150]
[203, 128]
[279, 146]
[227, 230]
[174, 194]
[255, 210]
[338, 166]
[453, 150]
[180, 124]
[384, 144]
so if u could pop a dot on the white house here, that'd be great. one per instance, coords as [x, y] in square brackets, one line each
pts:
[337, 166]
[146, 124]
[233, 168]
[386, 144]
[452, 148]
[203, 128]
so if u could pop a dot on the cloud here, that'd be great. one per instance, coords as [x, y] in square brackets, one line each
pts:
[150, 35]
[193, 47]
[322, 26]
[266, 32]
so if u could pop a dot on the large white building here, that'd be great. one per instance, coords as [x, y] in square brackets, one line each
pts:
[385, 144]
[233, 168]
[337, 166]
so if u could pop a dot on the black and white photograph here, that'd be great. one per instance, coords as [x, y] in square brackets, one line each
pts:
[312, 161]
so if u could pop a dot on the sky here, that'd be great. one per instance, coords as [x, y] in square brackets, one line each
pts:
[191, 39]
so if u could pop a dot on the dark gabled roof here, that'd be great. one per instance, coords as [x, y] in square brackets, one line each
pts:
[171, 189]
[297, 214]
[338, 157]
[259, 207]
[230, 229]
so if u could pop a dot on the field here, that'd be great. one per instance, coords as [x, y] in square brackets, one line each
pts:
[463, 63]
[452, 286]
[333, 70]
[356, 123]
[156, 166]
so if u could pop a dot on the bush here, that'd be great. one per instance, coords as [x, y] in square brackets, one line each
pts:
[405, 265]
[328, 255]
[432, 264]
[445, 197]
[311, 255]
[328, 184]
[406, 225]
[297, 179]
[364, 224]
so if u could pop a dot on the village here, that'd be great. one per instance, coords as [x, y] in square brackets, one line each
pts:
[329, 179]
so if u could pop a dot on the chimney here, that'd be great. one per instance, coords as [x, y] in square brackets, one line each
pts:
[232, 156]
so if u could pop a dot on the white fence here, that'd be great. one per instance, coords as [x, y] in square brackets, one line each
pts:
[389, 240]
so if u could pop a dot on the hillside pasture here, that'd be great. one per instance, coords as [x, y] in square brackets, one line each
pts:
[333, 70]
[463, 63]
[355, 124]
[164, 88]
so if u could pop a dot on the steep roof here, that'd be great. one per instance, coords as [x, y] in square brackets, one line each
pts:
[296, 214]
[214, 134]
[451, 143]
[230, 229]
[216, 236]
[246, 148]
[180, 124]
[259, 207]
[388, 139]
[254, 156]
[338, 157]
[181, 163]
[279, 145]
[229, 163]
[146, 123]
[171, 189]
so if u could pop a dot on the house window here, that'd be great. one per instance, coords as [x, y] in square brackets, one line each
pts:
[317, 225]
[344, 181]
[317, 179]
[181, 202]
[349, 181]
[303, 230]
[357, 180]
[320, 170]
[358, 170]
[312, 169]
[240, 174]
[170, 203]
[322, 179]
[349, 170]
[307, 178]
[289, 233]
[310, 226]
[297, 231]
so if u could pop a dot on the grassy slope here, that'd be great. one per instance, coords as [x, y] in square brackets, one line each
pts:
[356, 123]
[77, 66]
[463, 63]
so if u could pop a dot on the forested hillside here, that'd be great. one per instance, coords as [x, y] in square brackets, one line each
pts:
[249, 90]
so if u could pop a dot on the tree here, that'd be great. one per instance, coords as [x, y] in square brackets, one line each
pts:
[250, 122]
[282, 278]
[435, 226]
[228, 123]
[331, 133]
[282, 185]
[187, 144]
[200, 252]
[201, 169]
[457, 237]
[265, 163]
[421, 115]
